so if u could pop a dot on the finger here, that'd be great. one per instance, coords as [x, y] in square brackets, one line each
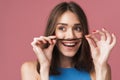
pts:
[90, 43]
[93, 39]
[38, 42]
[54, 42]
[41, 39]
[108, 36]
[102, 34]
[34, 43]
[52, 45]
[52, 37]
[36, 51]
[48, 39]
[39, 52]
[113, 41]
[40, 55]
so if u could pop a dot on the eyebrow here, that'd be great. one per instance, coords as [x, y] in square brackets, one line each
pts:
[62, 24]
[67, 24]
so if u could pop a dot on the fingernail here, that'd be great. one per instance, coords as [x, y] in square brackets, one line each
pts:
[94, 30]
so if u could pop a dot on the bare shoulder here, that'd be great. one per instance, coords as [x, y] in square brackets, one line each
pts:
[29, 71]
[29, 65]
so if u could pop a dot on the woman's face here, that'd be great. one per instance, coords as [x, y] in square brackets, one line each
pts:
[69, 33]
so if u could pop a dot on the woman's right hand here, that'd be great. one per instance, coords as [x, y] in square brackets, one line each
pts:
[43, 54]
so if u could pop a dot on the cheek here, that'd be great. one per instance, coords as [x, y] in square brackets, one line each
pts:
[79, 35]
[59, 35]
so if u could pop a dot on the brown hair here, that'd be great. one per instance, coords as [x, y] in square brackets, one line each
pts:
[82, 58]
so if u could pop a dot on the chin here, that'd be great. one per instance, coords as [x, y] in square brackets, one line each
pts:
[68, 54]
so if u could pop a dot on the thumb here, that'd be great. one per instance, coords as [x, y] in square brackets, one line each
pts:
[90, 42]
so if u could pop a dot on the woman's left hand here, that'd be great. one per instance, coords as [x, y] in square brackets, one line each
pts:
[101, 49]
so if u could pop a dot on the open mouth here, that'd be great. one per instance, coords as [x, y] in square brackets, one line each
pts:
[69, 44]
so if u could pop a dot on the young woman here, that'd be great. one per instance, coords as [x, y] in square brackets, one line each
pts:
[67, 51]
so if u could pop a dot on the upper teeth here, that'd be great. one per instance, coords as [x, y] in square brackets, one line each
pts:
[69, 43]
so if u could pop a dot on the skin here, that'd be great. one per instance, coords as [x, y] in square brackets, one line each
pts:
[100, 50]
[68, 27]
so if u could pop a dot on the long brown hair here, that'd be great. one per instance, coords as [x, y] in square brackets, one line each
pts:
[82, 58]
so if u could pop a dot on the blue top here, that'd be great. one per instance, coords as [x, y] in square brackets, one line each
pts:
[71, 74]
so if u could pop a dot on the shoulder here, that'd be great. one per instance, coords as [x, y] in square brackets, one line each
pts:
[29, 70]
[31, 65]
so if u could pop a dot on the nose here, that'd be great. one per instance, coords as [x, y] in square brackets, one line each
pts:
[70, 34]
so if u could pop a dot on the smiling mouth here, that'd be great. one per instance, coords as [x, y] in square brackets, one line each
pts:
[76, 39]
[70, 44]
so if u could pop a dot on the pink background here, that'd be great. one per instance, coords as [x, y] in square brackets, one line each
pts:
[22, 20]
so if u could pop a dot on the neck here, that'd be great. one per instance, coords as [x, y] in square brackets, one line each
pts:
[65, 62]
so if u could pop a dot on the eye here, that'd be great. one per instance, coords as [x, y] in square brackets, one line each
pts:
[78, 28]
[62, 28]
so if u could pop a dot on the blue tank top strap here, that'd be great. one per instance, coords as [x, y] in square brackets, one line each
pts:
[71, 74]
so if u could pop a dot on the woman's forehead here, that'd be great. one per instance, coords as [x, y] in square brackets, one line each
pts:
[68, 18]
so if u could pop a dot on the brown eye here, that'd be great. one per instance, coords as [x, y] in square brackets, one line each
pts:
[62, 28]
[78, 28]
